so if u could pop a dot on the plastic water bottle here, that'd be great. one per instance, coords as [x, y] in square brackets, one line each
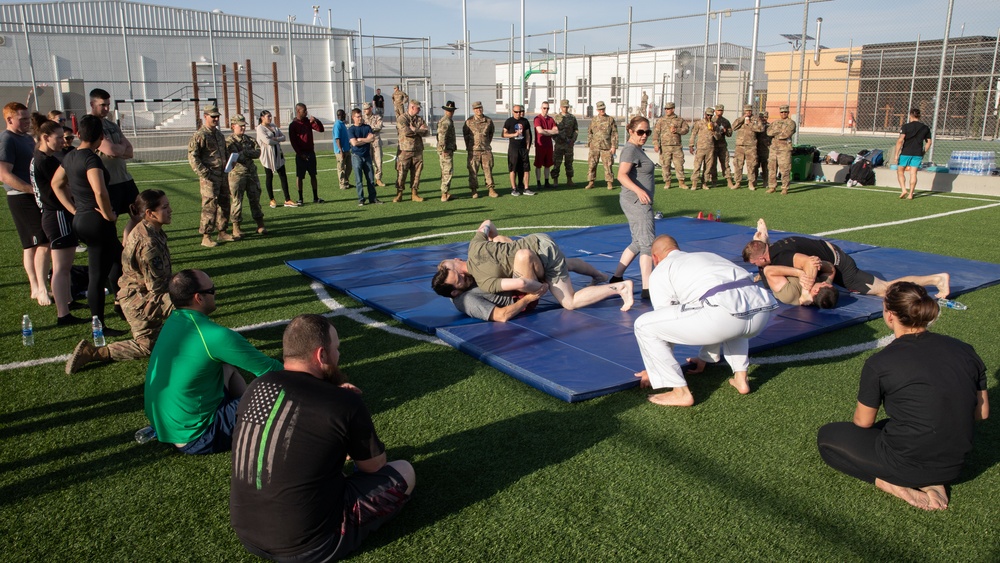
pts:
[718, 215]
[145, 435]
[98, 331]
[951, 304]
[27, 332]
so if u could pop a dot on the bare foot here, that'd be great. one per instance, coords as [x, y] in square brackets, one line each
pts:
[937, 497]
[600, 278]
[625, 290]
[699, 365]
[43, 299]
[910, 196]
[913, 497]
[943, 285]
[644, 379]
[761, 233]
[678, 397]
[739, 381]
[902, 195]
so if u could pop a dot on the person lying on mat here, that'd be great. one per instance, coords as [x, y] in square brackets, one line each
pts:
[530, 265]
[700, 299]
[799, 270]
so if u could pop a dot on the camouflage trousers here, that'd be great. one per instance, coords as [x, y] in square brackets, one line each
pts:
[477, 160]
[411, 162]
[721, 159]
[214, 206]
[250, 185]
[780, 161]
[344, 169]
[447, 169]
[377, 159]
[145, 318]
[604, 156]
[672, 156]
[703, 159]
[562, 155]
[746, 157]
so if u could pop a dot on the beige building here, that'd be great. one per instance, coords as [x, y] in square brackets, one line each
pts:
[829, 91]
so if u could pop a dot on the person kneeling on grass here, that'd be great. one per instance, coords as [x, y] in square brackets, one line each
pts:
[289, 499]
[933, 389]
[699, 298]
[193, 387]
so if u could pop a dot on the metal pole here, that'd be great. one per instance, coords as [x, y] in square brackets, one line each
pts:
[704, 55]
[194, 93]
[951, 80]
[401, 84]
[361, 61]
[374, 63]
[913, 74]
[520, 77]
[937, 95]
[847, 88]
[510, 71]
[718, 59]
[802, 69]
[250, 91]
[989, 88]
[31, 64]
[236, 89]
[465, 66]
[291, 59]
[628, 65]
[753, 54]
[211, 53]
[225, 99]
[565, 55]
[277, 104]
[128, 70]
[878, 88]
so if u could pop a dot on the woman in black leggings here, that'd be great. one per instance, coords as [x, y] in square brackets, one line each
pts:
[933, 388]
[84, 176]
[272, 159]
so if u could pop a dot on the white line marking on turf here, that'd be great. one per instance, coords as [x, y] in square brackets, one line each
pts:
[904, 221]
[823, 354]
[358, 316]
[895, 191]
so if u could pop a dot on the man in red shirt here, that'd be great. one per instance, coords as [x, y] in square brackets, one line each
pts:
[300, 133]
[545, 129]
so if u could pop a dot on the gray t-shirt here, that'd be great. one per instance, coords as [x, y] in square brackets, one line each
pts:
[642, 172]
[114, 165]
[17, 150]
[478, 304]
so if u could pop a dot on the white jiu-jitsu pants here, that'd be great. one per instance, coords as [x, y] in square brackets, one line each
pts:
[695, 324]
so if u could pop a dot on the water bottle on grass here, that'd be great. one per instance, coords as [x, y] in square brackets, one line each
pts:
[145, 435]
[98, 331]
[27, 332]
[951, 304]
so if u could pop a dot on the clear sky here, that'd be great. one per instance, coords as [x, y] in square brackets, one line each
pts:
[863, 21]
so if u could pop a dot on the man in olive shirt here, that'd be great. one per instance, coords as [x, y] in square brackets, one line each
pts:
[115, 149]
[192, 385]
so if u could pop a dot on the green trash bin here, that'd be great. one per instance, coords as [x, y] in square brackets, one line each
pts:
[802, 162]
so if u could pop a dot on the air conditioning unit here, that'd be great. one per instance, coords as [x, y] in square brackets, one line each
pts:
[275, 49]
[3, 41]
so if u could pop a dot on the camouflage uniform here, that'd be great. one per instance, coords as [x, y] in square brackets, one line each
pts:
[702, 145]
[410, 158]
[562, 155]
[668, 144]
[763, 148]
[746, 151]
[207, 156]
[399, 99]
[478, 134]
[446, 148]
[375, 122]
[602, 138]
[143, 294]
[243, 177]
[724, 129]
[780, 159]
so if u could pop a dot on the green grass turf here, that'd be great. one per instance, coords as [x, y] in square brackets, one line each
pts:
[505, 472]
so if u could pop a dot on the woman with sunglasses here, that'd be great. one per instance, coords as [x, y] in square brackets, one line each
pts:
[272, 159]
[637, 177]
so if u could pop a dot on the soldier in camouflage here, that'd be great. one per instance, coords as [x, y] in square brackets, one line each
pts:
[562, 155]
[411, 129]
[602, 139]
[724, 129]
[478, 133]
[746, 130]
[667, 143]
[702, 146]
[374, 121]
[643, 104]
[780, 159]
[207, 156]
[243, 177]
[763, 147]
[446, 148]
[399, 99]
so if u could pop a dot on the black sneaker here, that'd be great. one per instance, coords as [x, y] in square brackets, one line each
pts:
[108, 331]
[319, 200]
[70, 320]
[299, 203]
[361, 203]
[376, 201]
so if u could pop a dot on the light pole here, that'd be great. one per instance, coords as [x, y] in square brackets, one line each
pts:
[718, 52]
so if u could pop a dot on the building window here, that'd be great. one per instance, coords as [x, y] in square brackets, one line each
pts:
[581, 90]
[616, 90]
[551, 91]
[499, 93]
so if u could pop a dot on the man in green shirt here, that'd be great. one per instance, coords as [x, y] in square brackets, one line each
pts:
[192, 385]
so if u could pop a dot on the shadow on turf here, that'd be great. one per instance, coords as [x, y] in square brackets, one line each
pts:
[986, 449]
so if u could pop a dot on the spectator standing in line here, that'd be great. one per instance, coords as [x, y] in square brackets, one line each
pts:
[379, 102]
[115, 149]
[913, 142]
[545, 129]
[667, 143]
[478, 133]
[68, 138]
[446, 147]
[243, 176]
[269, 138]
[746, 130]
[780, 159]
[399, 99]
[360, 138]
[643, 104]
[410, 159]
[763, 147]
[300, 132]
[342, 150]
[602, 139]
[723, 129]
[374, 120]
[207, 156]
[702, 145]
[517, 131]
[16, 151]
[562, 153]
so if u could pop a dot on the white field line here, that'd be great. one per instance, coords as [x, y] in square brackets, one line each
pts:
[904, 221]
[894, 191]
[823, 354]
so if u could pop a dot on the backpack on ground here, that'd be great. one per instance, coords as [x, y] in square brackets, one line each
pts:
[875, 157]
[845, 159]
[862, 173]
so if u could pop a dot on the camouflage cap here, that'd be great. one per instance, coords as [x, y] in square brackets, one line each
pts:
[366, 105]
[477, 105]
[211, 110]
[783, 109]
[720, 107]
[764, 114]
[600, 105]
[747, 107]
[564, 103]
[709, 110]
[415, 103]
[669, 105]
[238, 119]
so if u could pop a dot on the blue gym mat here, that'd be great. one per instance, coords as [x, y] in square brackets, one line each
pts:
[578, 355]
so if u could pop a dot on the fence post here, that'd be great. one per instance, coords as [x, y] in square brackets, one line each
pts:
[847, 88]
[940, 84]
[250, 92]
[277, 106]
[236, 85]
[225, 96]
[989, 88]
[913, 75]
[31, 64]
[194, 92]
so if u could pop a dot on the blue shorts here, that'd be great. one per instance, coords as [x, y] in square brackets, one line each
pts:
[910, 161]
[218, 437]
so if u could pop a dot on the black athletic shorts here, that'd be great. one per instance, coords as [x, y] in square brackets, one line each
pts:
[848, 275]
[123, 196]
[305, 163]
[518, 162]
[58, 228]
[27, 220]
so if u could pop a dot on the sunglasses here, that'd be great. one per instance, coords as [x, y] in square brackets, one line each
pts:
[518, 111]
[642, 132]
[209, 291]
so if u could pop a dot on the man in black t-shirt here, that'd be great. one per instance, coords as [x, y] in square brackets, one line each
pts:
[913, 142]
[289, 498]
[518, 130]
[379, 102]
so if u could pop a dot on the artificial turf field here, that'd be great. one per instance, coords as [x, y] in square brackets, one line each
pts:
[504, 472]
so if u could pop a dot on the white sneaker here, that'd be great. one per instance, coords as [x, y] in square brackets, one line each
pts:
[528, 192]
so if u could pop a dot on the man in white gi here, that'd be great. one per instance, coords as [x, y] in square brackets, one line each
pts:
[699, 298]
